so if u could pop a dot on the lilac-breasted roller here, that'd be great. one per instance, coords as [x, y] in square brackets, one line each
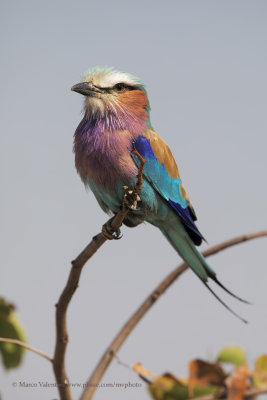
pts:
[116, 120]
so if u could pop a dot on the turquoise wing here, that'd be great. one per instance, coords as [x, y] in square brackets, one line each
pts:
[161, 171]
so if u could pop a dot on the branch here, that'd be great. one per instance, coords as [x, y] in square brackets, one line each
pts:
[145, 306]
[249, 393]
[26, 346]
[113, 225]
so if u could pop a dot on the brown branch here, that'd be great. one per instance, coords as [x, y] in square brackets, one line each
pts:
[72, 284]
[138, 186]
[249, 393]
[26, 346]
[255, 392]
[145, 306]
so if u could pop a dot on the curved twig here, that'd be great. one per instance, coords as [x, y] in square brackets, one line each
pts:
[26, 346]
[145, 306]
[72, 284]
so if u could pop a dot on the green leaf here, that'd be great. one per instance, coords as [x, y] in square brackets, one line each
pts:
[167, 387]
[260, 372]
[232, 355]
[10, 327]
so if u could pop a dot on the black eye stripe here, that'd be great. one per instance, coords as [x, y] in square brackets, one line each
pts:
[120, 86]
[115, 87]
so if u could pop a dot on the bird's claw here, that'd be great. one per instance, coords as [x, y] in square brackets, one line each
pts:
[109, 232]
[131, 198]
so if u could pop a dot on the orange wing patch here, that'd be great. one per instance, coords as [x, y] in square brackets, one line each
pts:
[163, 153]
[164, 156]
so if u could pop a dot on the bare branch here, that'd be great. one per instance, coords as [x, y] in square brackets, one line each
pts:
[72, 284]
[252, 392]
[145, 306]
[140, 181]
[26, 346]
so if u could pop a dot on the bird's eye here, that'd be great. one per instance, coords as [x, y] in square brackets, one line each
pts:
[119, 87]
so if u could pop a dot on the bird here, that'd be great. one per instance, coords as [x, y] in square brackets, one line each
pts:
[117, 121]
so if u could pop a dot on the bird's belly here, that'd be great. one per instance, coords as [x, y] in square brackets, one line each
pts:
[106, 174]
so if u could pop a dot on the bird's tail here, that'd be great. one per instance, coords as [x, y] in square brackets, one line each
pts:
[195, 260]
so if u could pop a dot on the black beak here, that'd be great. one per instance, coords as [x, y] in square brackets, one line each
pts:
[86, 88]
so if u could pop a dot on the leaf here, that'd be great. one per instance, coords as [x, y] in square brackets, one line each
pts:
[232, 355]
[260, 372]
[202, 373]
[144, 373]
[10, 327]
[238, 382]
[168, 387]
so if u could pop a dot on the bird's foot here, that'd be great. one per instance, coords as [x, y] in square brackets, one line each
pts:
[109, 232]
[131, 198]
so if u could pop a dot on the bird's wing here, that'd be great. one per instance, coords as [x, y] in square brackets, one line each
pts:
[161, 171]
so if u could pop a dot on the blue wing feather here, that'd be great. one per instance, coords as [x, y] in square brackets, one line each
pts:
[169, 188]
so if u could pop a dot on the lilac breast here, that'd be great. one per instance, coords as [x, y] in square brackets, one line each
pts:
[102, 155]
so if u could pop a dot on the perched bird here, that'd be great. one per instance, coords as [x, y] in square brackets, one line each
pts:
[117, 120]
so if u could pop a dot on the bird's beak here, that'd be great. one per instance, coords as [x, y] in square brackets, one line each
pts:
[87, 89]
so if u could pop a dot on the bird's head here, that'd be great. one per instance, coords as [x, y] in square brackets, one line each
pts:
[112, 93]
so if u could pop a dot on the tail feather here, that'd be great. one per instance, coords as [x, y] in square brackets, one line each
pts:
[190, 254]
[225, 305]
[229, 292]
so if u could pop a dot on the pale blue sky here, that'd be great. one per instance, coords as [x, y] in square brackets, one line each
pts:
[204, 64]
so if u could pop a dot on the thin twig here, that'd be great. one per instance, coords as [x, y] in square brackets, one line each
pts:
[140, 181]
[72, 284]
[145, 306]
[26, 346]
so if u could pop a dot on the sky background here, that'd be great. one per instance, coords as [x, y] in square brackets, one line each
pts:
[204, 64]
